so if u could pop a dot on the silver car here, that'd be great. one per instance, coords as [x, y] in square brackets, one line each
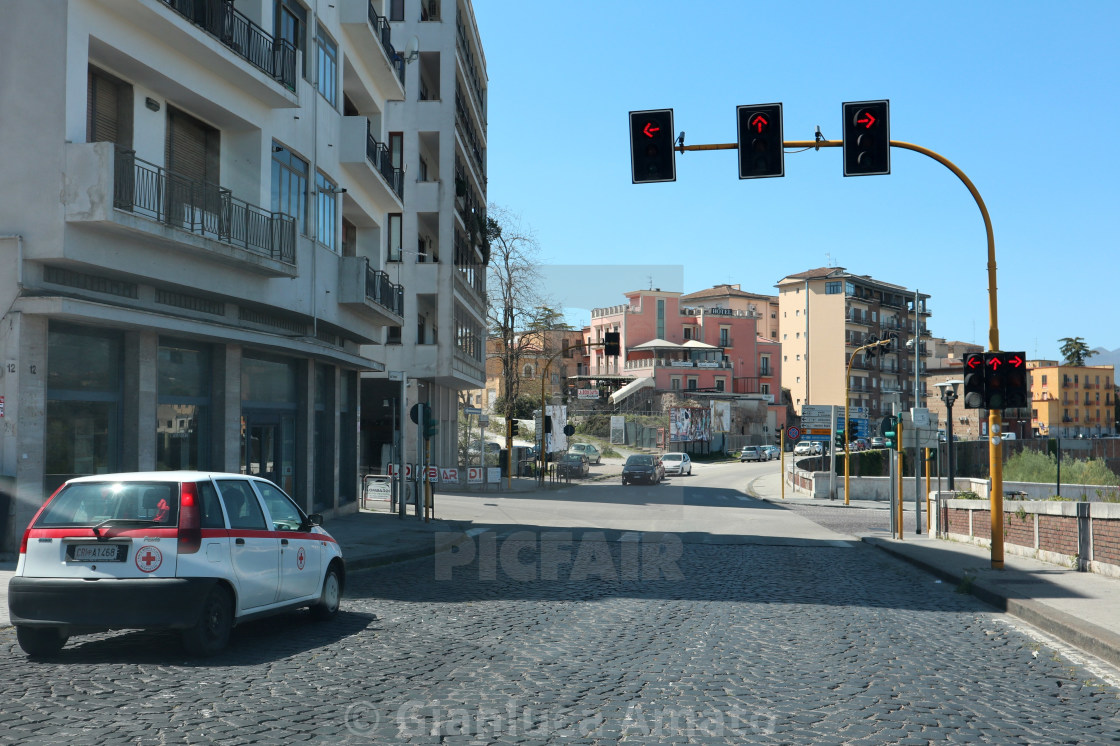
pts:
[751, 453]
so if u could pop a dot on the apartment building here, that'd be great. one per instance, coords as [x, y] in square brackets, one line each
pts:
[540, 364]
[825, 314]
[437, 243]
[1070, 401]
[201, 202]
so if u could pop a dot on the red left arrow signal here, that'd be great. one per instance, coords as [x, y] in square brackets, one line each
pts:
[975, 360]
[649, 129]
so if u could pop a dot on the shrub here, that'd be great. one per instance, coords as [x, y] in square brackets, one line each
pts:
[1034, 466]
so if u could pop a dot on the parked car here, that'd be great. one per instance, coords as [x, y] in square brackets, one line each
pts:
[677, 463]
[862, 444]
[642, 467]
[489, 446]
[587, 449]
[772, 452]
[878, 442]
[572, 465]
[191, 551]
[802, 449]
[751, 453]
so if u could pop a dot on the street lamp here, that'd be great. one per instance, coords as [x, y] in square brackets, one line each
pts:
[949, 395]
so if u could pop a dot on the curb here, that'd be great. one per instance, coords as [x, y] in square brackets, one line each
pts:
[1092, 639]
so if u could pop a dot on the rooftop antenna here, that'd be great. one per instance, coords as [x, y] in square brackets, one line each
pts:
[650, 282]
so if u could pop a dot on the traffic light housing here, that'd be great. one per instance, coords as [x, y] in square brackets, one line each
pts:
[975, 381]
[867, 138]
[652, 157]
[850, 431]
[511, 427]
[761, 145]
[1006, 380]
[612, 344]
[431, 424]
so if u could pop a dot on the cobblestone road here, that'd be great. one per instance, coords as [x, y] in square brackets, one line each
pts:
[799, 642]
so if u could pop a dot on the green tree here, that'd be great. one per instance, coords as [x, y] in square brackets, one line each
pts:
[1075, 351]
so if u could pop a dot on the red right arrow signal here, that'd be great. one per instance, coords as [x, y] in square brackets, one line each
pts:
[867, 117]
[1016, 361]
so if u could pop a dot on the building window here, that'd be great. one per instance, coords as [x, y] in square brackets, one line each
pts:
[833, 288]
[291, 26]
[692, 383]
[328, 67]
[326, 210]
[183, 410]
[687, 333]
[396, 149]
[725, 336]
[850, 288]
[719, 384]
[764, 365]
[395, 230]
[661, 318]
[675, 383]
[764, 388]
[289, 185]
[396, 10]
[108, 109]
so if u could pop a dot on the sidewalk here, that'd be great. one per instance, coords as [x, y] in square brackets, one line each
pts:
[1080, 608]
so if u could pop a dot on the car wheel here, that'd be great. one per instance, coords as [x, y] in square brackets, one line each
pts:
[331, 597]
[40, 642]
[211, 632]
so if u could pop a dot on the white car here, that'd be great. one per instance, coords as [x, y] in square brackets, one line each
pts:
[677, 463]
[802, 449]
[193, 551]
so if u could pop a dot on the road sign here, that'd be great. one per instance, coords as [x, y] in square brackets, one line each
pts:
[471, 410]
[793, 433]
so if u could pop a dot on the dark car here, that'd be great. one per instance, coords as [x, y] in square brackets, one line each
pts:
[642, 468]
[572, 465]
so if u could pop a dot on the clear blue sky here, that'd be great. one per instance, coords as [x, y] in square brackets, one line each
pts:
[992, 86]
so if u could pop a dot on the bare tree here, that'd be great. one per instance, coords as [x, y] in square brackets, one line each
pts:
[513, 285]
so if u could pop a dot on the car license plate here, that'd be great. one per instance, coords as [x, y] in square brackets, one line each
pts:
[97, 552]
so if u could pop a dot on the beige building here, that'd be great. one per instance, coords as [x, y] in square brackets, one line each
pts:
[824, 315]
[1069, 401]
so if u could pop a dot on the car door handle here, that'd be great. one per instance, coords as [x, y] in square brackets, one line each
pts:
[283, 542]
[239, 541]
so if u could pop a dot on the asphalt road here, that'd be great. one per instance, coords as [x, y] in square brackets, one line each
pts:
[579, 624]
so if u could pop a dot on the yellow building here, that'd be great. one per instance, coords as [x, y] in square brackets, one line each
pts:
[1069, 401]
[825, 315]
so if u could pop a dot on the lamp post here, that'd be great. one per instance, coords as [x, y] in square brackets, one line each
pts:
[949, 395]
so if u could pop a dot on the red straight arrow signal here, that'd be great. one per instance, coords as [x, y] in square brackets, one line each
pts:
[649, 129]
[994, 362]
[867, 117]
[759, 122]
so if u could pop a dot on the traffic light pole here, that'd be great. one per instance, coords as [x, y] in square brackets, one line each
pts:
[995, 424]
[847, 418]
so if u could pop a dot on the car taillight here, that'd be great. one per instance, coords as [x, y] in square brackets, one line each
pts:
[27, 531]
[190, 520]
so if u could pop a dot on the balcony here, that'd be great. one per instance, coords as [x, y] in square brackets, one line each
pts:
[231, 45]
[371, 164]
[647, 363]
[172, 212]
[359, 284]
[374, 46]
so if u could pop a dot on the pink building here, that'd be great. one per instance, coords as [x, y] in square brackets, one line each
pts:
[680, 346]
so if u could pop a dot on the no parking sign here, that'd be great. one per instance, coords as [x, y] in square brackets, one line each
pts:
[793, 433]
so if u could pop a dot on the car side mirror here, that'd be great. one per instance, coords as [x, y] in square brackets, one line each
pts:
[315, 519]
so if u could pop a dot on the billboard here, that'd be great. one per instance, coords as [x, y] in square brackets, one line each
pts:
[689, 423]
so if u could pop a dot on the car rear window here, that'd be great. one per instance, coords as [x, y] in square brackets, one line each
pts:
[642, 460]
[123, 503]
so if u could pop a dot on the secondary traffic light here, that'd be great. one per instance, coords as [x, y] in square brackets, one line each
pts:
[431, 424]
[1006, 380]
[851, 430]
[975, 384]
[511, 428]
[761, 147]
[612, 344]
[652, 157]
[867, 138]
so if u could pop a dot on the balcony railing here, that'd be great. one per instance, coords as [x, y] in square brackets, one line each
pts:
[379, 155]
[384, 292]
[200, 207]
[274, 57]
[384, 33]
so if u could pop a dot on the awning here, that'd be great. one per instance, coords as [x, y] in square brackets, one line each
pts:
[656, 344]
[630, 388]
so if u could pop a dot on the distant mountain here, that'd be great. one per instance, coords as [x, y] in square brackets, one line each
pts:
[1104, 357]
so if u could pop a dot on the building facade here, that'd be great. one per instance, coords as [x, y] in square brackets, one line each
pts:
[203, 200]
[1069, 401]
[436, 244]
[764, 308]
[825, 315]
[674, 347]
